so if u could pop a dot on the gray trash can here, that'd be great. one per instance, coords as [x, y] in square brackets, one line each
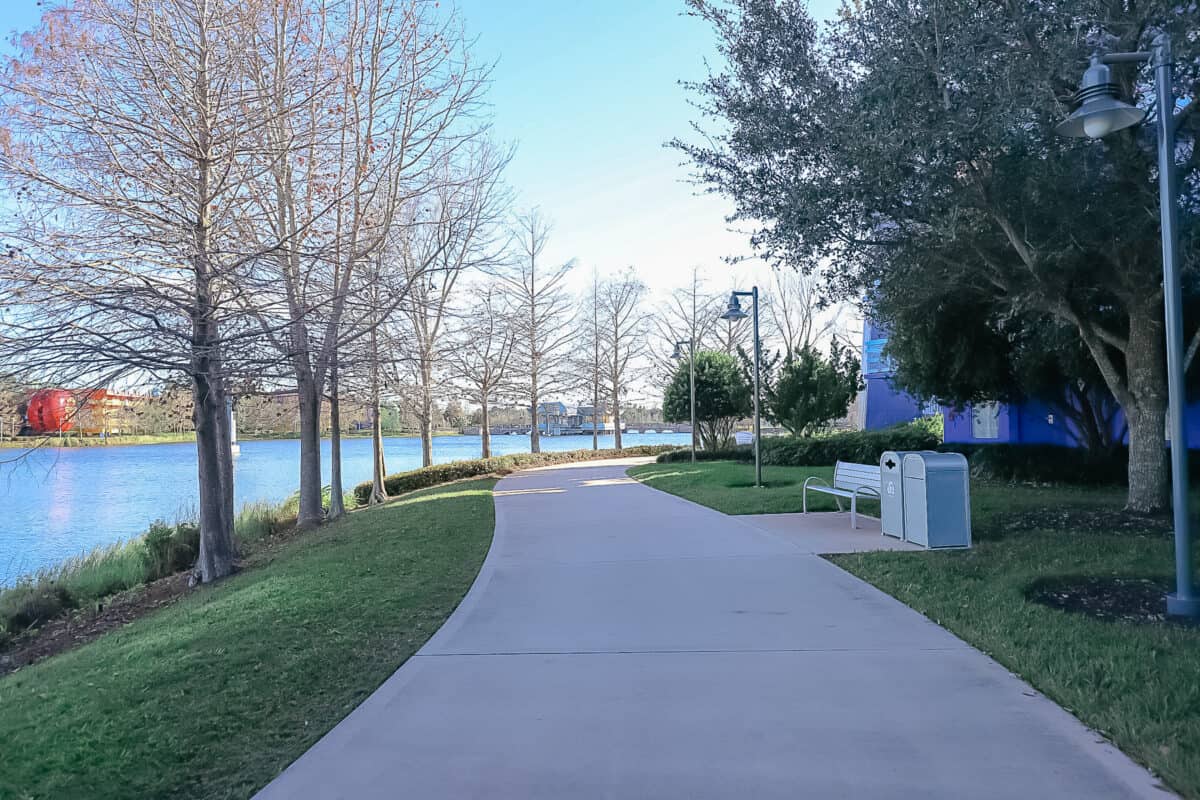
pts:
[937, 500]
[891, 491]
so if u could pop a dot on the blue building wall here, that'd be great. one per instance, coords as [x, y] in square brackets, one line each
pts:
[1031, 422]
[885, 405]
[1035, 422]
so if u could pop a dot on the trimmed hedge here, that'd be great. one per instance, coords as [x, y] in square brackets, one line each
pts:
[1050, 463]
[862, 447]
[742, 452]
[1016, 463]
[423, 478]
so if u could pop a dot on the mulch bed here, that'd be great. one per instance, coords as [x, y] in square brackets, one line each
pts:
[1082, 520]
[82, 626]
[1114, 599]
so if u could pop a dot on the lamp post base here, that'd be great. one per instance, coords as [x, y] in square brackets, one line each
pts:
[1183, 607]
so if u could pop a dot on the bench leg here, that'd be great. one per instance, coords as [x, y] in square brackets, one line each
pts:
[854, 513]
[804, 501]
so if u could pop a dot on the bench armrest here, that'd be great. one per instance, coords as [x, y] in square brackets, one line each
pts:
[812, 478]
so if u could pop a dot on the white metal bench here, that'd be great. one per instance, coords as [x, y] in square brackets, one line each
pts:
[850, 481]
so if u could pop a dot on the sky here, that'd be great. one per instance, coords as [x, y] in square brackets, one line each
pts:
[590, 92]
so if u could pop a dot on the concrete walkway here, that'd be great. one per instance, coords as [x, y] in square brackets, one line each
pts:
[624, 643]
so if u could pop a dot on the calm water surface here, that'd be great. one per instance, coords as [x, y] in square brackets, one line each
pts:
[60, 502]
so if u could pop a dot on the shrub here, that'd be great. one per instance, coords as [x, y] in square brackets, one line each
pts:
[102, 572]
[862, 447]
[1042, 463]
[259, 520]
[30, 604]
[743, 452]
[167, 549]
[425, 477]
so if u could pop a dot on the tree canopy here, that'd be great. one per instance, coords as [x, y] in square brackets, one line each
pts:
[722, 397]
[909, 149]
[812, 391]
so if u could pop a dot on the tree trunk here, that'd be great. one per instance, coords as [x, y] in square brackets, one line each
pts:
[485, 432]
[616, 416]
[535, 439]
[337, 506]
[216, 529]
[596, 409]
[425, 418]
[312, 511]
[1145, 364]
[378, 468]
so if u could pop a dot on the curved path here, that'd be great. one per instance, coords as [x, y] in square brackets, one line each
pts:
[624, 643]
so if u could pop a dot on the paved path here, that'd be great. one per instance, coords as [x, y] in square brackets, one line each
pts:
[624, 643]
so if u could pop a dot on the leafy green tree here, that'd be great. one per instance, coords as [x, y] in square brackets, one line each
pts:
[811, 391]
[910, 149]
[722, 397]
[969, 354]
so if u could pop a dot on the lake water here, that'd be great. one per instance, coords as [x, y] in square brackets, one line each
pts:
[60, 502]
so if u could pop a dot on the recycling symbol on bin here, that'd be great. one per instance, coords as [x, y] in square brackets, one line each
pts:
[891, 489]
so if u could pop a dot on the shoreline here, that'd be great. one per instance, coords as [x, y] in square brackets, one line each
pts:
[77, 442]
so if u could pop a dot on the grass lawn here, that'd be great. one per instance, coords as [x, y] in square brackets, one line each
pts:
[729, 487]
[213, 696]
[1137, 683]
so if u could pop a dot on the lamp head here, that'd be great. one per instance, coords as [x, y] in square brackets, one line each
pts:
[678, 354]
[1100, 111]
[734, 310]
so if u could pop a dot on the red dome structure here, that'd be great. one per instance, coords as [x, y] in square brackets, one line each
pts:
[50, 411]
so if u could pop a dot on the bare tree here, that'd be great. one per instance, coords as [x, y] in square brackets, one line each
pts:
[542, 317]
[591, 356]
[360, 146]
[482, 355]
[623, 323]
[693, 313]
[128, 137]
[461, 235]
[794, 313]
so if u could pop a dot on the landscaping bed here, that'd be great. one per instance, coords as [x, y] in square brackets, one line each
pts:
[213, 695]
[1052, 592]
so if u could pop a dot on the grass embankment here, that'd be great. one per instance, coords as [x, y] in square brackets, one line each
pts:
[79, 584]
[212, 697]
[1137, 682]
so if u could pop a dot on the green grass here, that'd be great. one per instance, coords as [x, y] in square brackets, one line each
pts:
[212, 697]
[81, 581]
[1138, 684]
[729, 487]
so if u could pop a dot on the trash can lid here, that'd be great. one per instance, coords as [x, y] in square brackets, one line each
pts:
[927, 461]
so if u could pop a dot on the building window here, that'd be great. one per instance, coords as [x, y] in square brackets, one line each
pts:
[985, 421]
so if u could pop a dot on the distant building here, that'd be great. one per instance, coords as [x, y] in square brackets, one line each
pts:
[880, 404]
[1027, 422]
[96, 412]
[558, 419]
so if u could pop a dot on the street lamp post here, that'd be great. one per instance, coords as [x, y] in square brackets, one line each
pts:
[678, 354]
[734, 312]
[1101, 112]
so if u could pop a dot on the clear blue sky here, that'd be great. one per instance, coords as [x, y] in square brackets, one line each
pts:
[589, 91]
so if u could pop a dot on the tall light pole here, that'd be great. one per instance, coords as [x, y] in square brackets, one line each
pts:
[734, 312]
[1100, 113]
[678, 354]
